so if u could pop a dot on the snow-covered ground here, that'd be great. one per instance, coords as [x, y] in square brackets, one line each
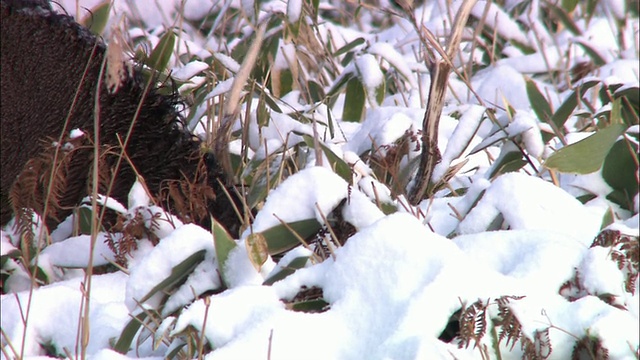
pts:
[516, 251]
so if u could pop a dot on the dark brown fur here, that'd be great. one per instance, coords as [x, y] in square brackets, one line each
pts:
[43, 56]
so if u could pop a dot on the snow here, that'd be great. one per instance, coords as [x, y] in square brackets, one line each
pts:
[156, 266]
[526, 202]
[395, 283]
[395, 58]
[370, 75]
[53, 314]
[58, 254]
[296, 198]
[294, 9]
[189, 70]
[498, 19]
[460, 139]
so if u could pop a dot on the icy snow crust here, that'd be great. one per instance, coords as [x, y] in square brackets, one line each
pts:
[394, 285]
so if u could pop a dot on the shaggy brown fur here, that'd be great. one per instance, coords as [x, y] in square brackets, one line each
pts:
[43, 56]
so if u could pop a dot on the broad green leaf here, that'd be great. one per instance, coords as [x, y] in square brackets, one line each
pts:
[585, 156]
[161, 54]
[608, 218]
[330, 123]
[286, 82]
[11, 254]
[128, 333]
[568, 5]
[257, 250]
[619, 197]
[619, 169]
[586, 198]
[179, 274]
[342, 81]
[40, 274]
[260, 188]
[85, 220]
[338, 165]
[174, 351]
[262, 113]
[269, 100]
[632, 92]
[566, 109]
[316, 92]
[295, 264]
[538, 102]
[294, 28]
[595, 56]
[629, 104]
[316, 5]
[388, 209]
[591, 9]
[97, 18]
[562, 13]
[354, 101]
[350, 46]
[347, 59]
[511, 161]
[280, 239]
[310, 306]
[381, 91]
[616, 112]
[223, 243]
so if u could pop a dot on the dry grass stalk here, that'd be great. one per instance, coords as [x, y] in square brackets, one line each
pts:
[439, 71]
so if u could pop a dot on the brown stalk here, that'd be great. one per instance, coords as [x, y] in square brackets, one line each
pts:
[439, 71]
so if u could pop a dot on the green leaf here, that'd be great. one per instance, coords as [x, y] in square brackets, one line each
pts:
[295, 264]
[354, 101]
[586, 198]
[619, 169]
[128, 333]
[97, 18]
[316, 92]
[595, 56]
[620, 198]
[538, 102]
[566, 109]
[511, 161]
[256, 245]
[85, 216]
[280, 239]
[260, 187]
[223, 243]
[310, 306]
[381, 91]
[630, 104]
[591, 9]
[587, 155]
[262, 113]
[568, 5]
[12, 254]
[330, 123]
[161, 54]
[175, 351]
[350, 46]
[608, 218]
[342, 81]
[316, 5]
[270, 101]
[179, 274]
[338, 165]
[632, 92]
[562, 13]
[286, 82]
